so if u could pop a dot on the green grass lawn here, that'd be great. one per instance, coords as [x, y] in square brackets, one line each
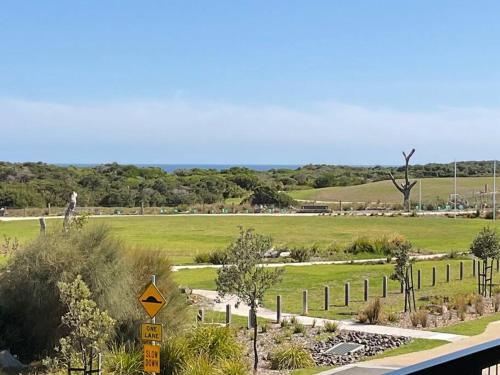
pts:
[314, 278]
[472, 327]
[385, 192]
[416, 345]
[185, 236]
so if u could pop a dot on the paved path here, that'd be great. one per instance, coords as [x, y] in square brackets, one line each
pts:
[302, 264]
[349, 325]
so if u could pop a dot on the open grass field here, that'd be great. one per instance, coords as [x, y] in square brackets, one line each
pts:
[314, 278]
[185, 236]
[384, 191]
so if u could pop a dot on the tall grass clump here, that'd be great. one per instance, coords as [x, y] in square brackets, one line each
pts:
[123, 360]
[372, 312]
[291, 357]
[205, 349]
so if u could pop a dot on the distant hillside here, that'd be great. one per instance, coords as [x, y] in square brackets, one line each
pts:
[114, 185]
[433, 190]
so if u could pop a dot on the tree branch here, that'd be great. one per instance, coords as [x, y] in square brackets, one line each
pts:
[395, 183]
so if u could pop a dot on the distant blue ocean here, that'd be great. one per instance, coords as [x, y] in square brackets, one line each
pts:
[219, 167]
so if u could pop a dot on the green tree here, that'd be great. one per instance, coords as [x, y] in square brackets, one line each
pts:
[486, 246]
[245, 277]
[400, 249]
[88, 328]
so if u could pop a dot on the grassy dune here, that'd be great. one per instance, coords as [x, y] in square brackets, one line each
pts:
[185, 236]
[384, 191]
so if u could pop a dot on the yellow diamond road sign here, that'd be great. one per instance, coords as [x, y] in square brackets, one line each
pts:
[152, 300]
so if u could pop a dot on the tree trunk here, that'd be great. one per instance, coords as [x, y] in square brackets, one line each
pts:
[406, 201]
[255, 329]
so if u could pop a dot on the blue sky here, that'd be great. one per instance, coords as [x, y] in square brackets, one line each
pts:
[249, 82]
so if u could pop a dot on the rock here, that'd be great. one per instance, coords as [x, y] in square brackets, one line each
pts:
[284, 254]
[8, 361]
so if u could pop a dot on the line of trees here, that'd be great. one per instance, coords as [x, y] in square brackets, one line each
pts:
[113, 185]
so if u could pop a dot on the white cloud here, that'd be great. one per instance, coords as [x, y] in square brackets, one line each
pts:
[175, 131]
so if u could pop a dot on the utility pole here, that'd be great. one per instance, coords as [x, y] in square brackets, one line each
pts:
[420, 194]
[455, 195]
[494, 190]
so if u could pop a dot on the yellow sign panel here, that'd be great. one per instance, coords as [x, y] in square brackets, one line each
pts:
[152, 300]
[151, 332]
[151, 358]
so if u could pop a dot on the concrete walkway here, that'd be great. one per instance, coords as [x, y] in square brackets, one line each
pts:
[349, 325]
[322, 262]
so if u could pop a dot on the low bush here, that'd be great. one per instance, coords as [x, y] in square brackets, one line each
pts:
[216, 342]
[330, 327]
[362, 317]
[423, 317]
[299, 328]
[373, 311]
[300, 254]
[496, 301]
[360, 245]
[393, 317]
[291, 357]
[213, 257]
[414, 319]
[230, 367]
[174, 353]
[207, 349]
[202, 258]
[123, 360]
[479, 305]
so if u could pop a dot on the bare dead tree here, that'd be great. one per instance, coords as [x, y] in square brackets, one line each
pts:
[406, 186]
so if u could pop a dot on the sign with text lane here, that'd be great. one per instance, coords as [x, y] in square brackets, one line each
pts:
[152, 300]
[151, 358]
[151, 332]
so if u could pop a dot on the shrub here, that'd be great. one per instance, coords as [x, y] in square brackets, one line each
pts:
[373, 311]
[213, 257]
[202, 258]
[230, 367]
[291, 357]
[300, 254]
[174, 353]
[423, 316]
[330, 327]
[360, 245]
[393, 317]
[123, 360]
[362, 317]
[216, 342]
[479, 305]
[299, 328]
[199, 365]
[414, 318]
[496, 302]
[114, 275]
[285, 323]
